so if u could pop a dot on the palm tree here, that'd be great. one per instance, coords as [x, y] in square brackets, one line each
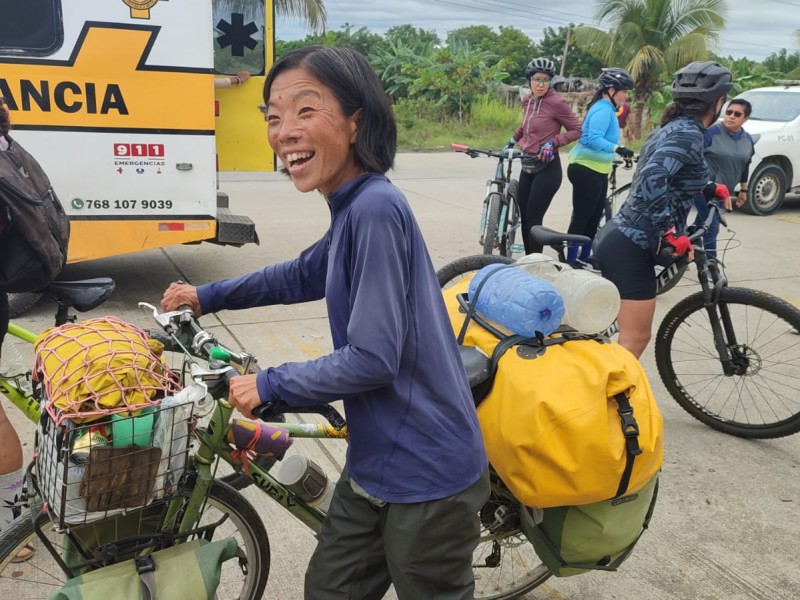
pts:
[652, 39]
[312, 11]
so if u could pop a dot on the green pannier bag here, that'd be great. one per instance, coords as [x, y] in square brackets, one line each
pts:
[571, 540]
[188, 571]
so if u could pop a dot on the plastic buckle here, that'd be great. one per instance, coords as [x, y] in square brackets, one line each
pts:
[144, 564]
[630, 428]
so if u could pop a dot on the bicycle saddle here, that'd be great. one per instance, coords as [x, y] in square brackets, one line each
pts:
[549, 237]
[83, 295]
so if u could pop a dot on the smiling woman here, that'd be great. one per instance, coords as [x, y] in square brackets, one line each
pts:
[404, 512]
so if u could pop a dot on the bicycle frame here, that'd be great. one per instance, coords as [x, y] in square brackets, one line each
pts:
[9, 383]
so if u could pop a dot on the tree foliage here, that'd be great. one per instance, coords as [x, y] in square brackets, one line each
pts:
[653, 39]
[311, 11]
[579, 62]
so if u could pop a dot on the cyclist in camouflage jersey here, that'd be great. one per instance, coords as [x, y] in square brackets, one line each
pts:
[670, 172]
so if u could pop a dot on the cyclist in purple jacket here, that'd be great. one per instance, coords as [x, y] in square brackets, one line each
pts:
[405, 510]
[545, 114]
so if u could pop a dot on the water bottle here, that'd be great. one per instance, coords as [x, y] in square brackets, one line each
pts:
[539, 265]
[591, 303]
[307, 479]
[516, 300]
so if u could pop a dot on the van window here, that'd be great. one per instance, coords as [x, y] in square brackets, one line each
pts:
[239, 38]
[31, 27]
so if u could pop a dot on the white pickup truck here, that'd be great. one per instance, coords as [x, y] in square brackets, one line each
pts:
[775, 126]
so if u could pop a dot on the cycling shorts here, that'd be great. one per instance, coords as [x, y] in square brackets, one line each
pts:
[628, 266]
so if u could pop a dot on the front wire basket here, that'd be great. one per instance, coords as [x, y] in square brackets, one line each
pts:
[92, 471]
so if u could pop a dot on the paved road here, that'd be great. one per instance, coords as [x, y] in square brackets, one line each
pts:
[727, 524]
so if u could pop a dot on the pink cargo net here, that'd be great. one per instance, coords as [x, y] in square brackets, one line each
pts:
[98, 367]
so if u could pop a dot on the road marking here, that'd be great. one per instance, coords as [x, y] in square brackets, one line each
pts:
[790, 218]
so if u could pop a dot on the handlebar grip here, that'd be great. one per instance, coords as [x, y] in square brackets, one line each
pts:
[259, 412]
[459, 147]
[667, 249]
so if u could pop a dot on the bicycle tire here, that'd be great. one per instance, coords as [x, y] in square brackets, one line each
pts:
[492, 217]
[512, 220]
[454, 271]
[764, 388]
[611, 205]
[41, 574]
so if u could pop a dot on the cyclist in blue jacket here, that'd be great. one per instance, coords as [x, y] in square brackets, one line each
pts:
[591, 158]
[405, 510]
[670, 172]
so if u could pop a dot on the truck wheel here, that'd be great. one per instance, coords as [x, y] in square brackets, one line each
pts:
[767, 190]
[18, 304]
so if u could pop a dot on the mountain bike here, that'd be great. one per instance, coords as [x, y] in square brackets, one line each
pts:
[500, 216]
[200, 505]
[729, 356]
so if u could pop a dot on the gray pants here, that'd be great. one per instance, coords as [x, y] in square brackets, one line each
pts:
[425, 548]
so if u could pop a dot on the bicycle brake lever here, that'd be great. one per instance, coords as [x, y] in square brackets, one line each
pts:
[167, 319]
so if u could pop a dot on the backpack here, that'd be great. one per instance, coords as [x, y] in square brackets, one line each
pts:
[33, 247]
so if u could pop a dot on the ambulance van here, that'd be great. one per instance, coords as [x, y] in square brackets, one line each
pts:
[117, 101]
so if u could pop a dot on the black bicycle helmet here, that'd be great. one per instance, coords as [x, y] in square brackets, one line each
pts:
[540, 65]
[619, 79]
[703, 80]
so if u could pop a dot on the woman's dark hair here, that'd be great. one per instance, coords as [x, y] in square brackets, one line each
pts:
[597, 95]
[745, 104]
[356, 86]
[685, 108]
[5, 121]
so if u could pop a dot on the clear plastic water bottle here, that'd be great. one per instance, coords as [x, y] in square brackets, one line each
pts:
[517, 301]
[591, 303]
[538, 265]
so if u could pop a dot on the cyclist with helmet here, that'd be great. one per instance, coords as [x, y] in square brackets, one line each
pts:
[591, 158]
[545, 114]
[670, 172]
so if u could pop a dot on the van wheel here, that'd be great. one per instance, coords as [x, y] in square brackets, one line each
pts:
[19, 304]
[767, 190]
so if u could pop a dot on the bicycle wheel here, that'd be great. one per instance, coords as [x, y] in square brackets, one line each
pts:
[760, 399]
[489, 236]
[41, 575]
[453, 272]
[613, 202]
[504, 563]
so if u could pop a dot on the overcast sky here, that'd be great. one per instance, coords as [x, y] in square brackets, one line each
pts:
[755, 28]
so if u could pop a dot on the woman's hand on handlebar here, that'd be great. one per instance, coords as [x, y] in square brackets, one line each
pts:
[181, 294]
[243, 394]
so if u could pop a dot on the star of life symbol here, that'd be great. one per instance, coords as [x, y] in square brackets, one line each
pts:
[140, 9]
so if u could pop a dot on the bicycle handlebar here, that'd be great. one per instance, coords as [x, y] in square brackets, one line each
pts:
[190, 337]
[474, 152]
[668, 249]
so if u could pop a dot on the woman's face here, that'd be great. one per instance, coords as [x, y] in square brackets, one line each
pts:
[309, 133]
[540, 83]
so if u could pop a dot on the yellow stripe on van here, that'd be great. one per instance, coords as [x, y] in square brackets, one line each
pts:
[122, 237]
[81, 94]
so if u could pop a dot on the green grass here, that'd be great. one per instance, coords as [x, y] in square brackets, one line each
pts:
[422, 127]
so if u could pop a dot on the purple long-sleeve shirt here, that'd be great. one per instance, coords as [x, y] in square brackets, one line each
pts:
[414, 434]
[543, 118]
